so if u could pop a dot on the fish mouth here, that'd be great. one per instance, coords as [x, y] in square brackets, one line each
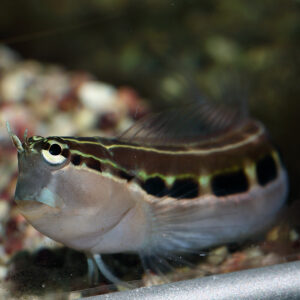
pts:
[28, 204]
[45, 197]
[34, 210]
[34, 207]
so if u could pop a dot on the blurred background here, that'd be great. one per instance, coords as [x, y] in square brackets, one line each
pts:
[57, 58]
[221, 45]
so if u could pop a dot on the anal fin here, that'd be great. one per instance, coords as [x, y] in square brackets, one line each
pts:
[95, 263]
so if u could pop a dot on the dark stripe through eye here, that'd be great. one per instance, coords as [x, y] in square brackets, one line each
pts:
[184, 188]
[76, 160]
[65, 153]
[230, 183]
[46, 146]
[266, 170]
[155, 186]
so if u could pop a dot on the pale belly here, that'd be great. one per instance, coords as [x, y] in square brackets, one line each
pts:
[159, 225]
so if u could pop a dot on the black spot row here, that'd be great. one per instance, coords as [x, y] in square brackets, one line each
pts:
[155, 186]
[184, 188]
[237, 182]
[229, 183]
[91, 163]
[266, 170]
[225, 184]
[181, 189]
[76, 160]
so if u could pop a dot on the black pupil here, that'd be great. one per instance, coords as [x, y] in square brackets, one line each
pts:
[55, 149]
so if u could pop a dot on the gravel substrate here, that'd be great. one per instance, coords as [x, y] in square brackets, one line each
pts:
[49, 100]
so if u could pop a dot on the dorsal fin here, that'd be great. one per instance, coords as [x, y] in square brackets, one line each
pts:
[190, 124]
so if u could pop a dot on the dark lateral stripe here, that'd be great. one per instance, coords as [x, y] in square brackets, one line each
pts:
[229, 183]
[177, 161]
[174, 163]
[132, 159]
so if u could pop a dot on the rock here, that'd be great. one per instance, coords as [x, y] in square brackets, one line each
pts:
[97, 96]
[217, 255]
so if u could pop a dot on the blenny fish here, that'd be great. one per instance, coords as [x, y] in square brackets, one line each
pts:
[187, 180]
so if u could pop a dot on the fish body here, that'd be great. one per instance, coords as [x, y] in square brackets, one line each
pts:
[153, 193]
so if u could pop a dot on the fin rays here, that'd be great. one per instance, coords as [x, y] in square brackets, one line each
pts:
[183, 125]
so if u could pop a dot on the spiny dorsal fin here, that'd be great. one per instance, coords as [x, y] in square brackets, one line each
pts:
[186, 125]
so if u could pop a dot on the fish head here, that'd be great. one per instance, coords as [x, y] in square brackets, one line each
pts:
[39, 160]
[70, 204]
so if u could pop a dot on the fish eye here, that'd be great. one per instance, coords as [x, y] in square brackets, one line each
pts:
[54, 155]
[55, 149]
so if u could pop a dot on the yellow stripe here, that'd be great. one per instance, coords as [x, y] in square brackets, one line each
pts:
[249, 139]
[103, 161]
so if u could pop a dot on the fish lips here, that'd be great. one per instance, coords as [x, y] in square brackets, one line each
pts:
[46, 196]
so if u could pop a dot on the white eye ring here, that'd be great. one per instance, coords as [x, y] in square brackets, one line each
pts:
[53, 159]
